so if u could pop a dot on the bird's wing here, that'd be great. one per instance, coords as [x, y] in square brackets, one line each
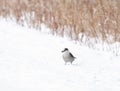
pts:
[72, 55]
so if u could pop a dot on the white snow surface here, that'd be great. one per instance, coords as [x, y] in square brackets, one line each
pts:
[32, 61]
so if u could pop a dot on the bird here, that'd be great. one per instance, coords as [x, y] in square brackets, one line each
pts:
[68, 56]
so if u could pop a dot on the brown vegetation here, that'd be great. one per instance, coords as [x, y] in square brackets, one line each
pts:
[94, 18]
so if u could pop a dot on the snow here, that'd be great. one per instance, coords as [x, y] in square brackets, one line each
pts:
[32, 61]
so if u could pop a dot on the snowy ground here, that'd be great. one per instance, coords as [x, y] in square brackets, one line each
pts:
[32, 61]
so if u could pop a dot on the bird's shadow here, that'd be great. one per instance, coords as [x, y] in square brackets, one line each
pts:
[74, 64]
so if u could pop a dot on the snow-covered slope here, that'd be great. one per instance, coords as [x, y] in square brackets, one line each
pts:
[32, 61]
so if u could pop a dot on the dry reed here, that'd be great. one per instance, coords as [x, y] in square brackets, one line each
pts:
[94, 18]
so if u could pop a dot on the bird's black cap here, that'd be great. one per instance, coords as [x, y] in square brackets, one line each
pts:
[65, 49]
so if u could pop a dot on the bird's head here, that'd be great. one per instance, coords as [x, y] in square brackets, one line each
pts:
[66, 49]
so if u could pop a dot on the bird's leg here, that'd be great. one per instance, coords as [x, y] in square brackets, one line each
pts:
[65, 63]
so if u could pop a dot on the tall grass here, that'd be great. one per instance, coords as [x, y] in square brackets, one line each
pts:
[98, 19]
